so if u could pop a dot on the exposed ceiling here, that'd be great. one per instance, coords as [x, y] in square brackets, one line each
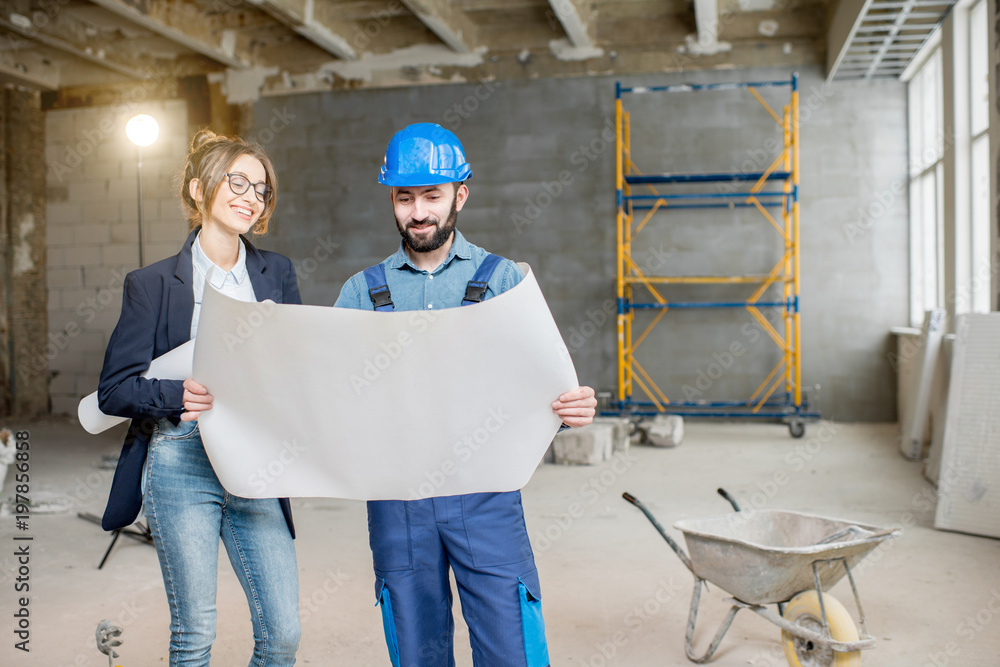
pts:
[273, 47]
[877, 39]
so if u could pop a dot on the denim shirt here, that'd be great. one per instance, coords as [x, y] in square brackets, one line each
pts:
[444, 287]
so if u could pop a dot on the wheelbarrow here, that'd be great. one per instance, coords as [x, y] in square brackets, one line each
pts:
[788, 559]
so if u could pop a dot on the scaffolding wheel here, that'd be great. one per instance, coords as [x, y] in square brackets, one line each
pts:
[797, 428]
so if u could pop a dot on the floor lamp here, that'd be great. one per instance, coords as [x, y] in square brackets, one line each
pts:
[141, 130]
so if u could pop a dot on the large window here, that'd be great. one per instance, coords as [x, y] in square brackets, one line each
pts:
[926, 182]
[979, 155]
[965, 68]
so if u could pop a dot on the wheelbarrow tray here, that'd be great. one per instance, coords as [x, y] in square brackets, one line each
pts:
[766, 556]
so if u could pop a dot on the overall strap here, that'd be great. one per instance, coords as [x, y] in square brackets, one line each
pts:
[476, 289]
[378, 290]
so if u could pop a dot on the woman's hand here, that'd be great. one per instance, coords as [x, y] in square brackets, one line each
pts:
[196, 400]
[577, 407]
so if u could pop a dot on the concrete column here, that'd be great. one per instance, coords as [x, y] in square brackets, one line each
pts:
[956, 190]
[994, 21]
[23, 310]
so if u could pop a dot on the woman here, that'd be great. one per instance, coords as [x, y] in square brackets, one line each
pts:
[228, 189]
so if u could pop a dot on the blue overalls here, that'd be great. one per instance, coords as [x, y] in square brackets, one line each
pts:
[481, 537]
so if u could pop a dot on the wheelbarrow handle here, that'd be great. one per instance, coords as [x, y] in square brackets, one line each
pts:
[732, 501]
[656, 524]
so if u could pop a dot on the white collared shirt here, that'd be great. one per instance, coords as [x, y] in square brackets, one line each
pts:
[234, 283]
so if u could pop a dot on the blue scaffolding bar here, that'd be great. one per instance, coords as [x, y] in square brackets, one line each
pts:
[720, 177]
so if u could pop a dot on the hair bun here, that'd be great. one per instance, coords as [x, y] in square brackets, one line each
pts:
[201, 138]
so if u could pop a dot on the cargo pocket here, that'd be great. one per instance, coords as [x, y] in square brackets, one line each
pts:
[389, 535]
[536, 651]
[388, 623]
[494, 525]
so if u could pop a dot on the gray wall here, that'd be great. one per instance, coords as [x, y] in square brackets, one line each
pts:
[92, 234]
[522, 137]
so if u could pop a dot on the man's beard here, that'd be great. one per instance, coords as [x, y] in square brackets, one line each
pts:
[438, 238]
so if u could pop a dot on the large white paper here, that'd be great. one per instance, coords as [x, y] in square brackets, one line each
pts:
[330, 402]
[174, 365]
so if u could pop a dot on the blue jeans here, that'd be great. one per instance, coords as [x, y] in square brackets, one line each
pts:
[188, 511]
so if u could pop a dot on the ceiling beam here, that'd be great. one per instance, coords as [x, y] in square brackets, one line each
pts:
[196, 34]
[300, 16]
[448, 22]
[88, 52]
[706, 17]
[28, 69]
[577, 19]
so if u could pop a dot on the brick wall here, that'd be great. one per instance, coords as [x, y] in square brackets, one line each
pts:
[92, 234]
[22, 279]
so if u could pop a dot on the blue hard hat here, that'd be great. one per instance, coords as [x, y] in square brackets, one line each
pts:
[424, 154]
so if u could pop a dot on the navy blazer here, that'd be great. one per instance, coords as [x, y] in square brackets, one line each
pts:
[157, 305]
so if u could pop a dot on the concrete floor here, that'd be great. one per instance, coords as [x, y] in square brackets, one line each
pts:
[614, 594]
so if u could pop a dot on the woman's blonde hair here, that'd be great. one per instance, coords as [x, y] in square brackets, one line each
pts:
[209, 159]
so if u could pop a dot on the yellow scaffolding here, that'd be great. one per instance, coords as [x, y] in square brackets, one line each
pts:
[637, 193]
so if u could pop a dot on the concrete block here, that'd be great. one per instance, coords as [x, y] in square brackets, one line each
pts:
[102, 211]
[169, 210]
[63, 278]
[85, 384]
[60, 318]
[115, 152]
[90, 341]
[620, 432]
[104, 318]
[99, 232]
[64, 405]
[54, 300]
[56, 194]
[63, 171]
[164, 231]
[588, 445]
[63, 214]
[85, 121]
[665, 431]
[54, 152]
[121, 189]
[89, 189]
[59, 235]
[154, 252]
[93, 362]
[103, 277]
[176, 148]
[121, 254]
[58, 128]
[89, 255]
[67, 361]
[62, 383]
[72, 297]
[126, 233]
[102, 169]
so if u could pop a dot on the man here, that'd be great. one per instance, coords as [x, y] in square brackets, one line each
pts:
[480, 536]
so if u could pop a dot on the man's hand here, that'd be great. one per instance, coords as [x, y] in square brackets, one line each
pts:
[577, 407]
[196, 400]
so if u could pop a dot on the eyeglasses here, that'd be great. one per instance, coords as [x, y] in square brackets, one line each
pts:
[239, 184]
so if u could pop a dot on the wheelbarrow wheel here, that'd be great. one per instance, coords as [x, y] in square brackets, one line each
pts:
[804, 610]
